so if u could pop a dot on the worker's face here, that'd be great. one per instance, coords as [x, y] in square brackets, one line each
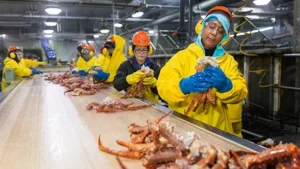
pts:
[212, 34]
[141, 53]
[19, 54]
[110, 51]
[86, 54]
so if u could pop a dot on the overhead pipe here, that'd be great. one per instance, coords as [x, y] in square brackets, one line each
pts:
[102, 4]
[199, 4]
[191, 3]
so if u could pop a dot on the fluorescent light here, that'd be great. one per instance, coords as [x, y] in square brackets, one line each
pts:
[51, 23]
[261, 2]
[96, 35]
[3, 35]
[118, 25]
[104, 30]
[48, 36]
[254, 31]
[53, 11]
[253, 16]
[150, 31]
[48, 31]
[137, 14]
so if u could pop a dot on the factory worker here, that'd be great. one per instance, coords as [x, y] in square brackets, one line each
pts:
[111, 57]
[130, 72]
[179, 82]
[234, 110]
[12, 63]
[86, 61]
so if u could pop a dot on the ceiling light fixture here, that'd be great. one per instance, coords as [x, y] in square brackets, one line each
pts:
[51, 23]
[137, 14]
[261, 2]
[118, 25]
[48, 31]
[104, 29]
[3, 35]
[48, 36]
[53, 11]
[151, 31]
[273, 19]
[96, 36]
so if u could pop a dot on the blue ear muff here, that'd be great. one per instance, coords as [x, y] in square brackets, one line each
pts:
[12, 55]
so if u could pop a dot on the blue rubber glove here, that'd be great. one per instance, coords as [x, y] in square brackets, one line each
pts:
[101, 75]
[82, 73]
[35, 72]
[195, 83]
[40, 72]
[218, 79]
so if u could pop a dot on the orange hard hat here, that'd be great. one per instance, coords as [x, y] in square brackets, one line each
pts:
[141, 38]
[221, 9]
[13, 48]
[90, 48]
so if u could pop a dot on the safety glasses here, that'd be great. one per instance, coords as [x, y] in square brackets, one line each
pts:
[214, 27]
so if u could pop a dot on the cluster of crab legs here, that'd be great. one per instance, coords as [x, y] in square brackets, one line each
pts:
[75, 84]
[139, 89]
[159, 146]
[202, 100]
[108, 106]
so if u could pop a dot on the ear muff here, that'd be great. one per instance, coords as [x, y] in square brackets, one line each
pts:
[105, 52]
[150, 50]
[91, 53]
[198, 29]
[131, 53]
[12, 55]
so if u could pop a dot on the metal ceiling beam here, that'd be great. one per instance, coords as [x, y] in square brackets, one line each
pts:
[101, 4]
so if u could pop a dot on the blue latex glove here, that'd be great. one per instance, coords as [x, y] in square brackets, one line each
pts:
[40, 72]
[218, 79]
[195, 83]
[74, 72]
[35, 72]
[101, 75]
[82, 73]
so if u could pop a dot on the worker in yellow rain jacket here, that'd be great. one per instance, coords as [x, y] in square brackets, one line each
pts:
[234, 110]
[86, 61]
[31, 63]
[179, 82]
[12, 62]
[130, 72]
[110, 58]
